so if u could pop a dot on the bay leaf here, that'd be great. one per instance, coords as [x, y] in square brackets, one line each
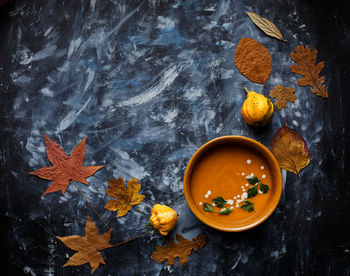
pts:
[267, 26]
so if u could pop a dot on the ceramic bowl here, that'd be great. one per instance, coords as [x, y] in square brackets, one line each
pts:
[254, 218]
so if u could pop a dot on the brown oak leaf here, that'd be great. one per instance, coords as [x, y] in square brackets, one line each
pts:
[306, 59]
[283, 94]
[253, 60]
[125, 196]
[88, 247]
[290, 150]
[182, 249]
[65, 168]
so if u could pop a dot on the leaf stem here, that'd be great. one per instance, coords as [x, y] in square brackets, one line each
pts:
[126, 241]
[246, 90]
[138, 210]
[93, 209]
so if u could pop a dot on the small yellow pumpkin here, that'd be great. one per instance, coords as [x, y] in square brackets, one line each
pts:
[257, 110]
[163, 218]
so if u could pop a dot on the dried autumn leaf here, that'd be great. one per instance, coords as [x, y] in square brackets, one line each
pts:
[253, 60]
[306, 59]
[266, 26]
[182, 249]
[65, 168]
[125, 196]
[88, 247]
[283, 94]
[290, 150]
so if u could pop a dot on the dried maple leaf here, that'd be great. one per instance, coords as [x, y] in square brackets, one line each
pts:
[253, 60]
[305, 59]
[125, 196]
[290, 150]
[88, 247]
[182, 249]
[283, 95]
[65, 168]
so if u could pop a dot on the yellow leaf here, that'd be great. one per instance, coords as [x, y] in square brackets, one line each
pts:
[266, 26]
[290, 150]
[125, 196]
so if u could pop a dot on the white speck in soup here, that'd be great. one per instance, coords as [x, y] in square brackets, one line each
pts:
[214, 204]
[209, 192]
[246, 184]
[200, 203]
[249, 161]
[243, 173]
[263, 176]
[206, 196]
[262, 167]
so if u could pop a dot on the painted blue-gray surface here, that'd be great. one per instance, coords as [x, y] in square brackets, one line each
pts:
[149, 82]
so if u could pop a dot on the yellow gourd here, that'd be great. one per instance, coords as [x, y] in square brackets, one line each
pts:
[163, 218]
[257, 110]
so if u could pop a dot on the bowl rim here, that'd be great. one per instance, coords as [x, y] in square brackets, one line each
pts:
[264, 151]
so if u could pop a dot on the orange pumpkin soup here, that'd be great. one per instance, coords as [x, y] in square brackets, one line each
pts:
[222, 171]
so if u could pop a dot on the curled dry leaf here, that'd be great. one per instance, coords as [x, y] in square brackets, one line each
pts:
[266, 26]
[306, 59]
[182, 249]
[88, 247]
[290, 150]
[65, 168]
[253, 60]
[125, 196]
[282, 95]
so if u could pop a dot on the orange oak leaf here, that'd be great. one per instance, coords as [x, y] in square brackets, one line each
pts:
[290, 150]
[306, 59]
[253, 60]
[88, 247]
[65, 168]
[283, 94]
[125, 196]
[182, 249]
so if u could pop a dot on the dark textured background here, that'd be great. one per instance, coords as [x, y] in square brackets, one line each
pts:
[149, 82]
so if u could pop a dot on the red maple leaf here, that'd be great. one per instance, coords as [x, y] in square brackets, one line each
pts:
[65, 168]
